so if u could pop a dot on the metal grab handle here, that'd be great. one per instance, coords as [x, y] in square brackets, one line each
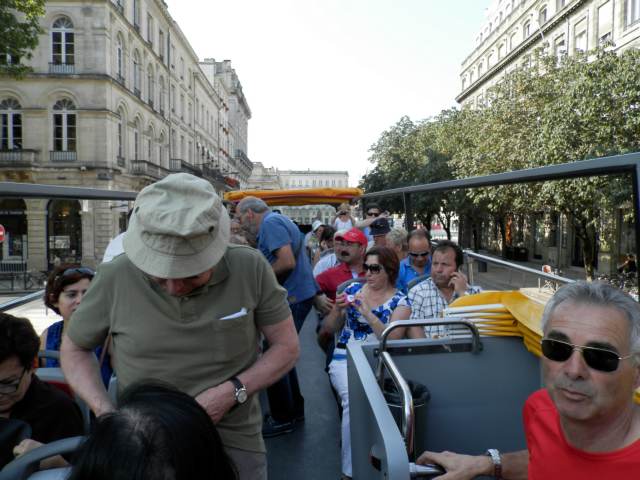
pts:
[477, 344]
[25, 465]
[407, 399]
[425, 471]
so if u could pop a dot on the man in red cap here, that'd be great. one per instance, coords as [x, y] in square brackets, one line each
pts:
[353, 246]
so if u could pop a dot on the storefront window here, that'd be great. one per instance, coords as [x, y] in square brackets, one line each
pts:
[64, 232]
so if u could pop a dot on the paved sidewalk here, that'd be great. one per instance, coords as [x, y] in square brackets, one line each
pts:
[498, 277]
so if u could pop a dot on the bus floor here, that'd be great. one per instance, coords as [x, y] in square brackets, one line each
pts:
[312, 451]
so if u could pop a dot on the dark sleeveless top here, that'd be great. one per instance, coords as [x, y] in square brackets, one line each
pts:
[54, 339]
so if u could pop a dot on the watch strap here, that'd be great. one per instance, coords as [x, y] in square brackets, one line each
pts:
[497, 462]
[236, 383]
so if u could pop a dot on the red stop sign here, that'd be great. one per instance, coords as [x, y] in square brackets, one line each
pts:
[1, 234]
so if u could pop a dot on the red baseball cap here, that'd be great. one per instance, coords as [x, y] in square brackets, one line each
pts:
[354, 235]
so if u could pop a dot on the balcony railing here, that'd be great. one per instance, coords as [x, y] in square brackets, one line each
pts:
[16, 158]
[211, 173]
[62, 68]
[136, 92]
[142, 167]
[120, 161]
[63, 156]
[179, 165]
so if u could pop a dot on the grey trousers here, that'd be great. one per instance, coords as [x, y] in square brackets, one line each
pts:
[250, 465]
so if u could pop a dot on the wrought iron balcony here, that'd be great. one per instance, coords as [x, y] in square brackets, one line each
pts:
[212, 173]
[142, 167]
[62, 68]
[63, 155]
[17, 158]
[179, 165]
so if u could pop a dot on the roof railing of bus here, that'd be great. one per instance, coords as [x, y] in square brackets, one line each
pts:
[18, 302]
[612, 165]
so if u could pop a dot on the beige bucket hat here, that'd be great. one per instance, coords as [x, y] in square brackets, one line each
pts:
[179, 228]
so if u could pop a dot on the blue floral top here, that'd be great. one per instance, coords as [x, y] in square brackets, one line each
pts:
[357, 329]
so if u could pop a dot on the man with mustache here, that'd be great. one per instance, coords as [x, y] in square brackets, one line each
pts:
[350, 247]
[429, 298]
[585, 423]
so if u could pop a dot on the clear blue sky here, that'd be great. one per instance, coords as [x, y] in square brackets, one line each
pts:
[325, 77]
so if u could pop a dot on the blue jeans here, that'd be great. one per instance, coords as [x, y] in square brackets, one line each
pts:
[286, 403]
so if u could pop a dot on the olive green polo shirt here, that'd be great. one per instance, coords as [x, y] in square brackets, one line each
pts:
[193, 342]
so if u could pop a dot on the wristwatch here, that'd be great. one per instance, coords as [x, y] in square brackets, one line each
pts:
[241, 390]
[497, 462]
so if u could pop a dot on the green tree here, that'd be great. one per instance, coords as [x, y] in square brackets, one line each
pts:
[19, 30]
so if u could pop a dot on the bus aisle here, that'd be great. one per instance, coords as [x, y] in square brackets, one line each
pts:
[312, 451]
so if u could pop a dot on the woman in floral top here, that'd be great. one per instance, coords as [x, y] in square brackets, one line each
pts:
[366, 310]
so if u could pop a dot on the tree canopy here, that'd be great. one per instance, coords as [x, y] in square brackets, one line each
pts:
[555, 110]
[19, 20]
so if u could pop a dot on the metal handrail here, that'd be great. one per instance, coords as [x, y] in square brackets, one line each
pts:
[18, 302]
[408, 417]
[477, 256]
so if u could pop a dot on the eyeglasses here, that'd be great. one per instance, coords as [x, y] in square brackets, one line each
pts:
[419, 254]
[596, 358]
[12, 387]
[373, 214]
[373, 268]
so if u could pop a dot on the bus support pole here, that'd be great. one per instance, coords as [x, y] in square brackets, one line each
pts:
[636, 210]
[408, 211]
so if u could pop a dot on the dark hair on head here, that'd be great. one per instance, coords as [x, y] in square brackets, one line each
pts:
[17, 337]
[372, 205]
[419, 233]
[327, 233]
[58, 280]
[388, 259]
[444, 245]
[157, 433]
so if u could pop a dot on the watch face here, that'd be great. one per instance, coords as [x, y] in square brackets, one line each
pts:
[241, 395]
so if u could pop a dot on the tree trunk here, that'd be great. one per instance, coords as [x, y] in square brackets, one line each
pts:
[589, 251]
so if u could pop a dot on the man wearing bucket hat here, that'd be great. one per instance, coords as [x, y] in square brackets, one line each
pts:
[185, 307]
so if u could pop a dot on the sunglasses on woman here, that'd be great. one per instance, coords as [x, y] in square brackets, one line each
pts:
[373, 268]
[598, 359]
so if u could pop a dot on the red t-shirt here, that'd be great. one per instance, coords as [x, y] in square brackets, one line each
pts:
[329, 280]
[551, 457]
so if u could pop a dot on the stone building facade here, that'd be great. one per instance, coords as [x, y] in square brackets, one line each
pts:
[116, 100]
[273, 178]
[513, 29]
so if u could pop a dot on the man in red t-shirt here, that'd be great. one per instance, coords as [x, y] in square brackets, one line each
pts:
[585, 424]
[352, 245]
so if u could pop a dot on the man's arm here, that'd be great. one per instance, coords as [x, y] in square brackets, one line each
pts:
[465, 467]
[281, 356]
[285, 262]
[81, 370]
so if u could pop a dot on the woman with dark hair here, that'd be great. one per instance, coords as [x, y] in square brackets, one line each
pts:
[367, 309]
[157, 433]
[65, 289]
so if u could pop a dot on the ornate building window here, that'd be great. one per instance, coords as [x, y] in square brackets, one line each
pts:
[62, 42]
[10, 125]
[64, 126]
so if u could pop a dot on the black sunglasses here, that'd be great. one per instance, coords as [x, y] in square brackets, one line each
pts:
[419, 254]
[372, 214]
[373, 268]
[77, 270]
[595, 358]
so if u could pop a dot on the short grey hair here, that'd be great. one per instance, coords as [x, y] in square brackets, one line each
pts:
[255, 204]
[398, 236]
[603, 295]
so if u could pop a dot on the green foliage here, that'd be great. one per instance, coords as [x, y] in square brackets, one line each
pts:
[19, 20]
[552, 112]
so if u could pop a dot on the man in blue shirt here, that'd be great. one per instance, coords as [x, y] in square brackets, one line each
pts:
[282, 243]
[418, 262]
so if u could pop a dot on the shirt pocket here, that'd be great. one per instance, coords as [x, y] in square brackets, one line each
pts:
[235, 336]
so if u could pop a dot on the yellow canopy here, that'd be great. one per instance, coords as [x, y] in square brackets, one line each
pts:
[299, 197]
